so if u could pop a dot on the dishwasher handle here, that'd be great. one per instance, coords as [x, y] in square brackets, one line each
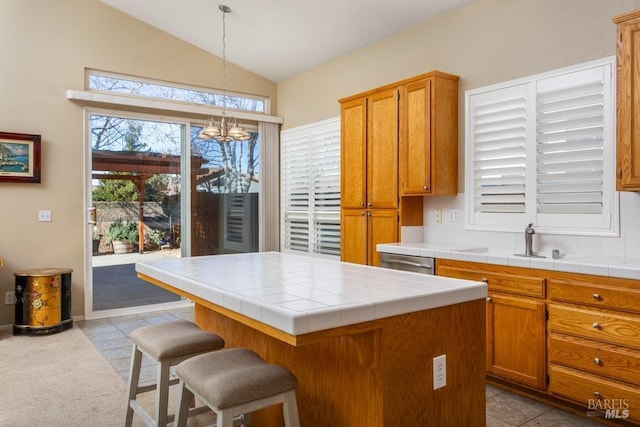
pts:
[410, 263]
[417, 264]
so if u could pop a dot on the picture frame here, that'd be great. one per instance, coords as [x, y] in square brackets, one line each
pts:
[19, 157]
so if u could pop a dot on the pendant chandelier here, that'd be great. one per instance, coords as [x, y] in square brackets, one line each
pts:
[224, 129]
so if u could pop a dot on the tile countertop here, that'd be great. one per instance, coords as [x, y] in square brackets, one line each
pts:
[626, 268]
[299, 294]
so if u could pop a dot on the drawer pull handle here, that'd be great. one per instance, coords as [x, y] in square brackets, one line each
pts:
[596, 325]
[596, 297]
[596, 361]
[596, 394]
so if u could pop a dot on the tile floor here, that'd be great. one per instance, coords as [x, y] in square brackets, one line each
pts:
[504, 409]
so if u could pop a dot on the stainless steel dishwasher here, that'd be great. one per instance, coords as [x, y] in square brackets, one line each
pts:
[418, 264]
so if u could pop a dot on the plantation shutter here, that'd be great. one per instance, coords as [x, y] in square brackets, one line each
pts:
[571, 129]
[325, 173]
[496, 155]
[541, 150]
[310, 188]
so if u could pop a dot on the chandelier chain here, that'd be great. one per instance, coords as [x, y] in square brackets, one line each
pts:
[224, 59]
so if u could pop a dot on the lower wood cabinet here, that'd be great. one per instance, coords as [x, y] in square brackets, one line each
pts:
[594, 343]
[516, 339]
[366, 228]
[516, 331]
[613, 399]
[574, 338]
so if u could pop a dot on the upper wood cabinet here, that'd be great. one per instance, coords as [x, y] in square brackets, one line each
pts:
[369, 150]
[429, 136]
[382, 150]
[628, 102]
[416, 117]
[353, 151]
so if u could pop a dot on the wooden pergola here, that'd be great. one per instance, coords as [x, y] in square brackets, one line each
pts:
[138, 167]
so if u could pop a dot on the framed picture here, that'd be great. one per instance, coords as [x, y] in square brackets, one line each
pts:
[19, 157]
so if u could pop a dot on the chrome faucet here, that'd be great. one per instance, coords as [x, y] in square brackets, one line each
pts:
[528, 240]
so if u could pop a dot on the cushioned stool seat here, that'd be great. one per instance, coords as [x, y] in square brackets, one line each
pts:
[167, 344]
[233, 382]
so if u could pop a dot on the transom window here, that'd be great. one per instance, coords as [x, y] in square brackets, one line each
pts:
[541, 150]
[108, 82]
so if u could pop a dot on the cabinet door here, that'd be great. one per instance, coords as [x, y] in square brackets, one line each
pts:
[415, 139]
[382, 227]
[516, 339]
[353, 166]
[382, 150]
[628, 105]
[353, 236]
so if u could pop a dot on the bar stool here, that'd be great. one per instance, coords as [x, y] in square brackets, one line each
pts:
[233, 382]
[167, 344]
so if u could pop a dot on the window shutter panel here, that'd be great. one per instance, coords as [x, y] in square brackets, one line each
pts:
[497, 133]
[571, 162]
[325, 163]
[294, 185]
[310, 186]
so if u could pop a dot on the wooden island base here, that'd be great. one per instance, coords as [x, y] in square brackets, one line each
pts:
[377, 373]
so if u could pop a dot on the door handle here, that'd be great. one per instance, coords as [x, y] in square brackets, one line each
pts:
[93, 215]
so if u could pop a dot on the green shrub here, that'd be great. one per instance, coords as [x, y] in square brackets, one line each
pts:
[123, 231]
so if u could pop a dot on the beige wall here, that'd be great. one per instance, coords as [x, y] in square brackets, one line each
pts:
[44, 48]
[484, 42]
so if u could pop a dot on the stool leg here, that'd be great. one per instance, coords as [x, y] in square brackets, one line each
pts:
[134, 378]
[162, 393]
[290, 409]
[224, 418]
[185, 396]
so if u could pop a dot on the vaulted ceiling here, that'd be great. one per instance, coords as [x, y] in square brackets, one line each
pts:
[279, 39]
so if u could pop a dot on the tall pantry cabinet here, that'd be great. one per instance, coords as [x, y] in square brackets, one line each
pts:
[628, 101]
[403, 131]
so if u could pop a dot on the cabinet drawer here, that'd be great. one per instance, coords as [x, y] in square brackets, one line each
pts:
[507, 280]
[595, 357]
[606, 295]
[595, 392]
[599, 325]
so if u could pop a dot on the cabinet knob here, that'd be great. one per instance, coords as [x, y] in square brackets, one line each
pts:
[596, 360]
[362, 213]
[362, 204]
[596, 297]
[425, 187]
[368, 213]
[369, 204]
[488, 299]
[485, 280]
[596, 394]
[596, 325]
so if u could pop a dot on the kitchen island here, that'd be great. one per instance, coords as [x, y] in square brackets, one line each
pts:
[361, 340]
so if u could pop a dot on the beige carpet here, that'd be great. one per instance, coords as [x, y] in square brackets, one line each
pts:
[62, 380]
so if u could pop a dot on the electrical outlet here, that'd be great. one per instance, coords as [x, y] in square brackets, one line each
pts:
[439, 371]
[438, 215]
[9, 298]
[44, 216]
[454, 215]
